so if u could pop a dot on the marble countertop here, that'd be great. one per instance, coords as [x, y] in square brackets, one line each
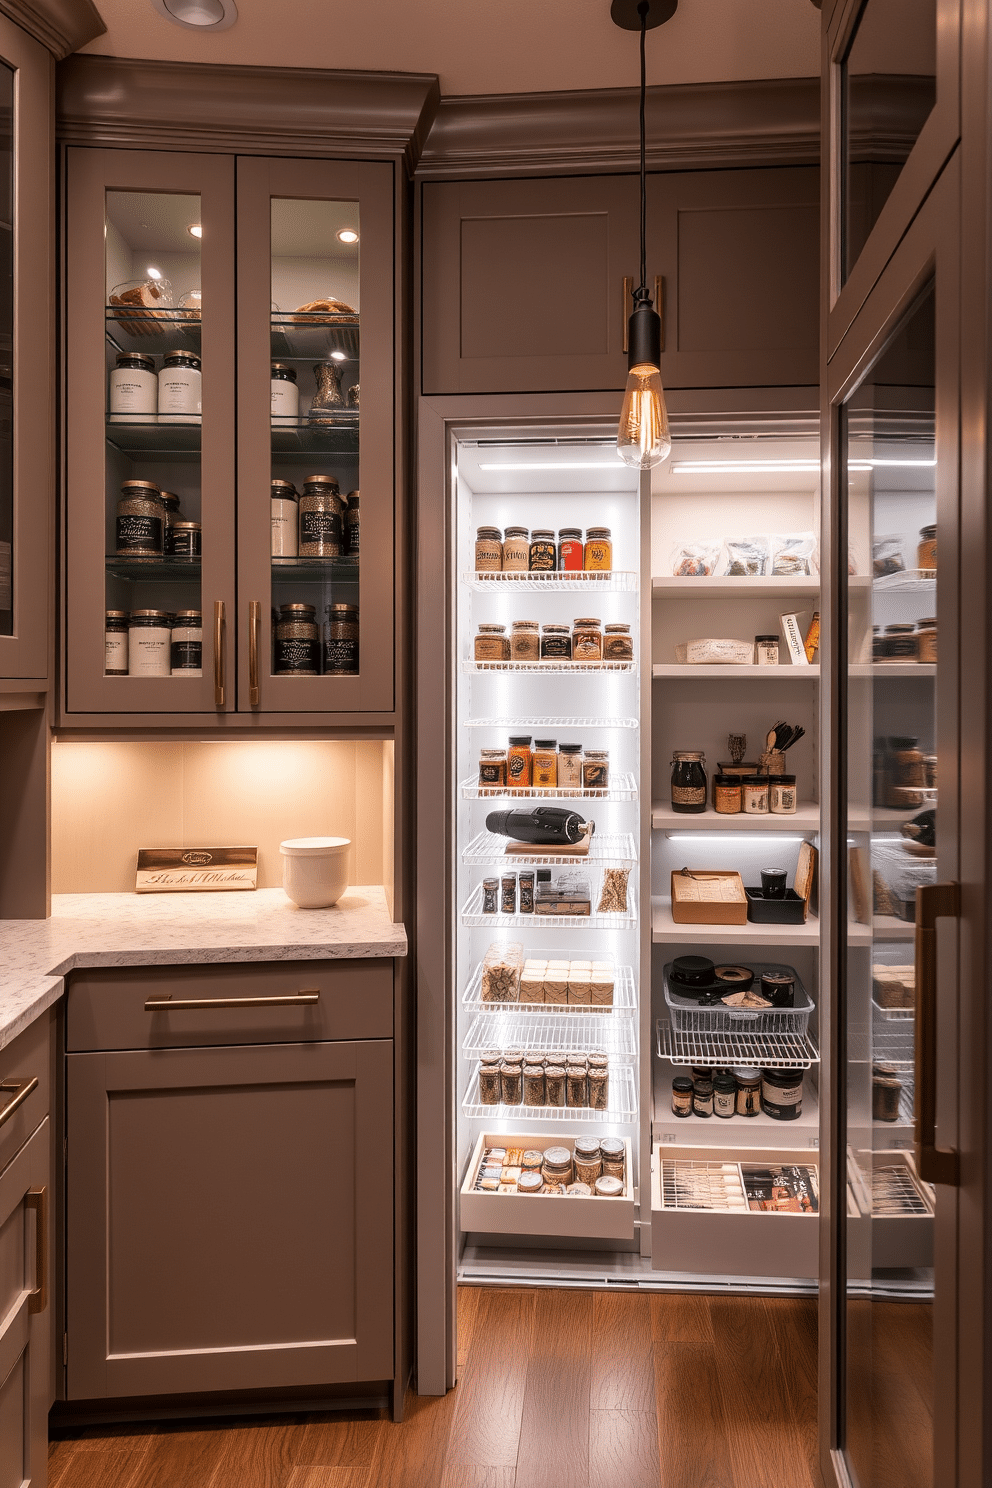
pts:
[179, 930]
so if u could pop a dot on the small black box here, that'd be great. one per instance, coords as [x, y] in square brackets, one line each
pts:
[788, 911]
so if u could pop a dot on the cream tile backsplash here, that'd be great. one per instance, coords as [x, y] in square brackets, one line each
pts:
[109, 799]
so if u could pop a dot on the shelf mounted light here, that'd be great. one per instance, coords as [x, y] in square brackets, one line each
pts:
[643, 438]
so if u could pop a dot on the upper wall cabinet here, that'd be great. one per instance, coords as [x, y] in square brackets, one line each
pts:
[27, 354]
[225, 406]
[524, 281]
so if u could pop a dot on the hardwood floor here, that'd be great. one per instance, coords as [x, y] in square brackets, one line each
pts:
[557, 1389]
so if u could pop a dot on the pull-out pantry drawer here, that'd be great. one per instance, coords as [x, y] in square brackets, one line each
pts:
[167, 1007]
[25, 1086]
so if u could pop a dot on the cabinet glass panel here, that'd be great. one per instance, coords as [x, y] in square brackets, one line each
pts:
[6, 349]
[153, 435]
[889, 90]
[893, 776]
[315, 248]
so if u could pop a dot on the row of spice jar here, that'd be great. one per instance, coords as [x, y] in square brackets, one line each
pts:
[153, 643]
[297, 649]
[593, 1167]
[150, 524]
[745, 1091]
[522, 551]
[513, 1077]
[905, 642]
[140, 395]
[586, 641]
[547, 766]
[317, 523]
[736, 788]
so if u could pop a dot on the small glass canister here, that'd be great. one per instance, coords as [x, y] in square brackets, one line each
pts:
[755, 795]
[926, 552]
[557, 1166]
[179, 385]
[727, 795]
[115, 644]
[492, 643]
[341, 632]
[284, 519]
[588, 1160]
[544, 763]
[186, 645]
[511, 1080]
[570, 550]
[766, 650]
[782, 795]
[599, 1087]
[587, 640]
[133, 389]
[140, 528]
[543, 555]
[284, 395]
[525, 641]
[596, 770]
[516, 550]
[533, 1078]
[489, 1083]
[492, 767]
[614, 1156]
[618, 643]
[576, 1085]
[554, 1084]
[688, 781]
[149, 641]
[609, 1187]
[490, 895]
[488, 550]
[681, 1096]
[183, 540]
[926, 640]
[570, 766]
[297, 641]
[556, 643]
[598, 554]
[353, 524]
[321, 511]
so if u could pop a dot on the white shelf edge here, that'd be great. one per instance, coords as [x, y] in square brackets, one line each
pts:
[805, 819]
[665, 931]
[705, 672]
[892, 669]
[672, 586]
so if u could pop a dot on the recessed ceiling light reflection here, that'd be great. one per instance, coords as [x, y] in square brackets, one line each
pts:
[195, 230]
[338, 356]
[347, 235]
[616, 464]
[153, 273]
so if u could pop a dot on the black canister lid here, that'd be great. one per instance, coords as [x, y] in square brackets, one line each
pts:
[284, 371]
[545, 743]
[181, 359]
[520, 738]
[682, 1083]
[136, 360]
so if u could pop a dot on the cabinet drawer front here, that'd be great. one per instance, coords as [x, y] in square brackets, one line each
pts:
[25, 1326]
[108, 1009]
[25, 1060]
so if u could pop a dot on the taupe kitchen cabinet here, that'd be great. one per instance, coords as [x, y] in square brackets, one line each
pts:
[25, 1272]
[229, 1197]
[178, 306]
[523, 281]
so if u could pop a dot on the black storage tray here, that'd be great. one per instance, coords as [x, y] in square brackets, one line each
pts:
[787, 911]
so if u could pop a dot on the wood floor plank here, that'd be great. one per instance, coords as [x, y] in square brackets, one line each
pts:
[693, 1450]
[794, 1322]
[623, 1447]
[103, 1438]
[489, 1398]
[467, 1310]
[178, 1458]
[258, 1453]
[681, 1317]
[412, 1455]
[59, 1458]
[554, 1430]
[332, 1440]
[622, 1377]
[461, 1475]
[99, 1469]
[330, 1477]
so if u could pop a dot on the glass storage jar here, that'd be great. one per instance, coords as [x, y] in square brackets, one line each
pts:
[782, 795]
[149, 638]
[782, 1094]
[133, 390]
[492, 643]
[183, 540]
[618, 643]
[587, 641]
[179, 384]
[556, 1166]
[926, 552]
[172, 513]
[570, 550]
[596, 770]
[727, 795]
[926, 640]
[724, 1095]
[488, 550]
[186, 646]
[748, 1091]
[511, 1080]
[614, 1156]
[297, 641]
[284, 395]
[598, 554]
[681, 1096]
[543, 556]
[556, 643]
[321, 509]
[525, 641]
[492, 767]
[353, 525]
[519, 762]
[544, 763]
[140, 525]
[341, 632]
[754, 790]
[115, 644]
[901, 643]
[766, 650]
[284, 519]
[570, 766]
[554, 1084]
[516, 550]
[688, 781]
[588, 1160]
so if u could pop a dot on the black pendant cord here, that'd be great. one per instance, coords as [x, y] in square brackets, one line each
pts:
[642, 11]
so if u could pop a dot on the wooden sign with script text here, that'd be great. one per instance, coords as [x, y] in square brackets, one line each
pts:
[185, 870]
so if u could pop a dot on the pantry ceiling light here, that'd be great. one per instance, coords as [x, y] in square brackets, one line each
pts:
[338, 356]
[347, 235]
[743, 467]
[198, 15]
[707, 838]
[555, 465]
[195, 230]
[153, 273]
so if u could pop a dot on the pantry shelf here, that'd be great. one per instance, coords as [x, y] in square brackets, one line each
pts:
[665, 930]
[735, 586]
[624, 1001]
[509, 724]
[908, 581]
[622, 788]
[749, 1132]
[472, 915]
[552, 668]
[880, 669]
[707, 673]
[147, 436]
[617, 849]
[622, 1106]
[583, 1031]
[614, 581]
[729, 1047]
[310, 336]
[183, 569]
[804, 819]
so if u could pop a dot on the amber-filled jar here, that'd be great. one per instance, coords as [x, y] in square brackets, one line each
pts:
[519, 762]
[618, 643]
[570, 550]
[545, 763]
[596, 770]
[488, 550]
[727, 794]
[598, 553]
[492, 643]
[516, 550]
[543, 554]
[926, 552]
[688, 782]
[587, 641]
[492, 767]
[297, 641]
[926, 640]
[525, 641]
[321, 512]
[341, 632]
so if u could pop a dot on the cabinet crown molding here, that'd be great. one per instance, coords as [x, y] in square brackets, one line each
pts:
[281, 110]
[60, 25]
[775, 122]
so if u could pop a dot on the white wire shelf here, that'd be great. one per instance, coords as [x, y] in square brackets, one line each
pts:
[586, 1032]
[908, 581]
[895, 1191]
[511, 725]
[622, 787]
[884, 1043]
[766, 1050]
[552, 668]
[622, 1106]
[624, 1003]
[892, 1014]
[602, 581]
[617, 849]
[472, 914]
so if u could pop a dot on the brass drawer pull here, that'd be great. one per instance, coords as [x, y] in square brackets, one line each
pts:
[933, 901]
[297, 999]
[23, 1089]
[37, 1199]
[220, 651]
[254, 627]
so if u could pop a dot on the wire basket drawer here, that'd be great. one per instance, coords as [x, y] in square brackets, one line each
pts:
[688, 1017]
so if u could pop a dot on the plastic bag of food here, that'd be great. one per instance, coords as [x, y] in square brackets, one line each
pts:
[886, 555]
[792, 553]
[695, 559]
[747, 556]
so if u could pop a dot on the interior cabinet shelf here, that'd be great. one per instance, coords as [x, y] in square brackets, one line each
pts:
[505, 1027]
[664, 930]
[622, 1105]
[168, 441]
[336, 436]
[582, 582]
[624, 1001]
[750, 670]
[736, 1047]
[294, 336]
[735, 586]
[804, 819]
[176, 570]
[617, 849]
[315, 570]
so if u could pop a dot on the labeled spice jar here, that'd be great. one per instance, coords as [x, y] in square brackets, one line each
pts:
[133, 389]
[724, 1095]
[140, 525]
[782, 795]
[284, 394]
[614, 1156]
[516, 550]
[748, 1091]
[341, 635]
[186, 644]
[688, 782]
[618, 643]
[556, 1166]
[766, 650]
[545, 763]
[609, 1187]
[179, 389]
[754, 791]
[702, 1098]
[596, 770]
[489, 1084]
[511, 1083]
[525, 641]
[556, 643]
[900, 643]
[492, 643]
[727, 794]
[926, 552]
[598, 554]
[149, 639]
[490, 895]
[907, 767]
[183, 540]
[570, 767]
[508, 894]
[297, 642]
[533, 1077]
[492, 767]
[519, 762]
[321, 508]
[488, 550]
[172, 513]
[926, 640]
[599, 1088]
[587, 641]
[284, 519]
[782, 1094]
[681, 1096]
[353, 524]
[570, 550]
[526, 881]
[115, 644]
[554, 1084]
[543, 555]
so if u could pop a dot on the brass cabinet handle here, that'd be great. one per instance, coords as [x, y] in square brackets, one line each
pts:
[628, 305]
[22, 1089]
[933, 901]
[254, 626]
[37, 1199]
[298, 999]
[220, 651]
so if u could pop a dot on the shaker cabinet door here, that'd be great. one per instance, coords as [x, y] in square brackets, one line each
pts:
[25, 1315]
[229, 1218]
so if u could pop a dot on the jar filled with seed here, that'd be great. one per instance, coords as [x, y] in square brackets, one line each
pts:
[341, 631]
[588, 1160]
[554, 1084]
[489, 1083]
[614, 1156]
[492, 643]
[511, 1079]
[516, 550]
[353, 525]
[488, 550]
[557, 1166]
[140, 528]
[321, 513]
[525, 641]
[533, 1075]
[576, 1085]
[297, 641]
[618, 643]
[599, 1087]
[587, 641]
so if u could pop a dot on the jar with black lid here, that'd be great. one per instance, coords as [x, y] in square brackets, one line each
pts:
[183, 540]
[321, 507]
[901, 643]
[284, 517]
[353, 525]
[186, 645]
[133, 389]
[702, 1098]
[556, 643]
[115, 644]
[149, 637]
[284, 395]
[543, 554]
[748, 1091]
[570, 550]
[341, 631]
[297, 641]
[688, 782]
[172, 512]
[682, 1096]
[140, 527]
[179, 385]
[782, 1094]
[724, 1095]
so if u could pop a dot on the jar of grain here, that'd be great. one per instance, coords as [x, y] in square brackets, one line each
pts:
[727, 794]
[492, 643]
[588, 1160]
[511, 1081]
[341, 633]
[618, 643]
[554, 1084]
[587, 641]
[321, 513]
[614, 1156]
[516, 550]
[488, 550]
[557, 1166]
[140, 527]
[525, 641]
[599, 1088]
[489, 1084]
[297, 642]
[576, 1085]
[533, 1076]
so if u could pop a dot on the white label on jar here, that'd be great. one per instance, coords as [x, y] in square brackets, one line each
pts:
[285, 399]
[724, 1102]
[133, 391]
[285, 529]
[115, 651]
[783, 799]
[149, 651]
[179, 392]
[779, 1095]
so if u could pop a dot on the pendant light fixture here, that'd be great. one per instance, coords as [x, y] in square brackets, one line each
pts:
[643, 438]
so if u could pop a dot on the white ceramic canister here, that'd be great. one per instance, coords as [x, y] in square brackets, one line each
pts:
[149, 641]
[133, 390]
[179, 389]
[285, 520]
[284, 395]
[315, 870]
